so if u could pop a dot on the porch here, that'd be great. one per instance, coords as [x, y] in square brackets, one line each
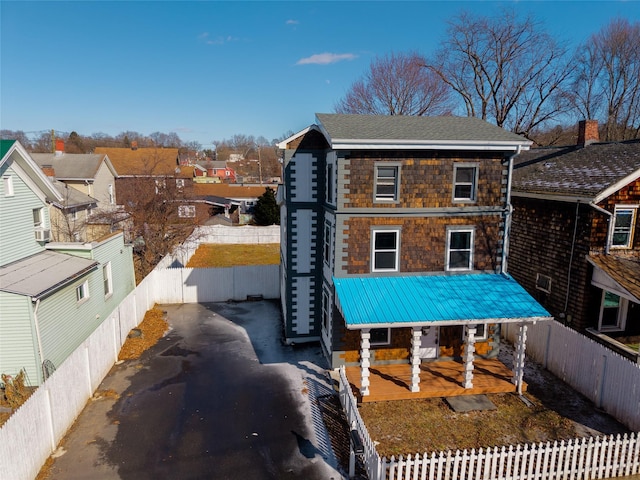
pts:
[437, 379]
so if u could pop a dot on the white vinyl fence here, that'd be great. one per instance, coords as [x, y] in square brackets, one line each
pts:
[31, 434]
[35, 429]
[576, 459]
[609, 380]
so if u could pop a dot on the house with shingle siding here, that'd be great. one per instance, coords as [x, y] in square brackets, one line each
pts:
[393, 234]
[52, 295]
[574, 240]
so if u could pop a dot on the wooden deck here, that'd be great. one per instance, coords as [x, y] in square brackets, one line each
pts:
[437, 379]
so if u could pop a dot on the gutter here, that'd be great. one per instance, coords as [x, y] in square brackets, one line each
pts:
[508, 214]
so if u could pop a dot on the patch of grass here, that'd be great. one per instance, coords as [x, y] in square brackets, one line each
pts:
[428, 425]
[235, 255]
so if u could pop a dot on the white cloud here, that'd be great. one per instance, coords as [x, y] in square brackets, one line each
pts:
[219, 40]
[326, 58]
[292, 22]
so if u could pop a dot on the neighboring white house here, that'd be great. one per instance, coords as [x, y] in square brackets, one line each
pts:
[52, 295]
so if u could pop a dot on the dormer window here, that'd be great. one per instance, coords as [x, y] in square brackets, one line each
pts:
[623, 223]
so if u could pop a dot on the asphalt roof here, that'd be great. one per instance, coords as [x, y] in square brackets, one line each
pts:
[37, 275]
[72, 197]
[576, 171]
[399, 127]
[142, 161]
[71, 165]
[434, 299]
[624, 271]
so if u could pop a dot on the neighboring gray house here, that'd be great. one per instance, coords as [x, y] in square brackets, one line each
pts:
[52, 295]
[70, 218]
[91, 174]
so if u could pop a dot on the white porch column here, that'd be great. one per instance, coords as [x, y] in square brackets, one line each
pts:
[365, 363]
[469, 353]
[518, 357]
[416, 341]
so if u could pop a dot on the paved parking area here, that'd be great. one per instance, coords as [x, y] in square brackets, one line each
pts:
[218, 397]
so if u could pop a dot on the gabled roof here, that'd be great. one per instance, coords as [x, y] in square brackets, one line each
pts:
[624, 272]
[13, 151]
[412, 132]
[142, 161]
[592, 172]
[74, 166]
[395, 301]
[41, 274]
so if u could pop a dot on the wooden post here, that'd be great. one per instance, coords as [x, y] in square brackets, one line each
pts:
[365, 363]
[469, 352]
[416, 340]
[518, 357]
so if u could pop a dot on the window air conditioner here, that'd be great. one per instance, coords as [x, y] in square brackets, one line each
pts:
[43, 234]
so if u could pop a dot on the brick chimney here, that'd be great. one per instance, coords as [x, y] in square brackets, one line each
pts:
[59, 146]
[587, 132]
[48, 170]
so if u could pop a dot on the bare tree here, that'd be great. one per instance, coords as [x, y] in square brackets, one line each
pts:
[607, 80]
[505, 70]
[397, 84]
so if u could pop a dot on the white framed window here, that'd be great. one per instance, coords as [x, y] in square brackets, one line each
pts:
[82, 291]
[180, 182]
[7, 182]
[623, 226]
[543, 282]
[107, 280]
[459, 249]
[380, 336]
[38, 218]
[481, 332]
[186, 211]
[387, 181]
[613, 312]
[326, 313]
[161, 184]
[110, 193]
[465, 182]
[384, 250]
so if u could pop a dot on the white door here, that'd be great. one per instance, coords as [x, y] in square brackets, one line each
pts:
[429, 345]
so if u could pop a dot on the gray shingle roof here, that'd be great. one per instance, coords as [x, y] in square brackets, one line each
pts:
[576, 171]
[72, 197]
[397, 127]
[71, 165]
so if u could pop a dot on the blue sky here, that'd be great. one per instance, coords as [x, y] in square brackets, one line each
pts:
[210, 69]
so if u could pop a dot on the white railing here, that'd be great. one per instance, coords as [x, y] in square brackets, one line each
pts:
[576, 459]
[609, 380]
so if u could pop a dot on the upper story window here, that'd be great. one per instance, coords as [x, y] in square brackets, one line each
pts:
[385, 250]
[186, 211]
[111, 196]
[107, 280]
[7, 183]
[38, 220]
[465, 182]
[387, 182]
[82, 291]
[180, 182]
[624, 221]
[459, 249]
[330, 183]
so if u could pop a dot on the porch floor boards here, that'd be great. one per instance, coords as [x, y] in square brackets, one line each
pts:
[437, 379]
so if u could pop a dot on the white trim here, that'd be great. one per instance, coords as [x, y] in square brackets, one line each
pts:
[614, 187]
[283, 144]
[634, 216]
[621, 319]
[396, 144]
[7, 181]
[444, 323]
[460, 229]
[474, 184]
[397, 166]
[374, 231]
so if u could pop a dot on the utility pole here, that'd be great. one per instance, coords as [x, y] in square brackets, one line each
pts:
[53, 141]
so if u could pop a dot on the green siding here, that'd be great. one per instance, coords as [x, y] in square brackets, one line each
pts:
[17, 238]
[18, 342]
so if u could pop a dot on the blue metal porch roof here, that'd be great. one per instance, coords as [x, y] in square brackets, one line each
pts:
[434, 299]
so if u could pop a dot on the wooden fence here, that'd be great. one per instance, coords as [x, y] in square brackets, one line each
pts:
[576, 459]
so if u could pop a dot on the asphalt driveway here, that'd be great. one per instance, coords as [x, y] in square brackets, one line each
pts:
[219, 397]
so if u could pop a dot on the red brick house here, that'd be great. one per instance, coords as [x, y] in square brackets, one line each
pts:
[574, 242]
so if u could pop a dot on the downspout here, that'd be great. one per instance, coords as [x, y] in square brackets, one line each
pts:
[508, 213]
[37, 326]
[573, 245]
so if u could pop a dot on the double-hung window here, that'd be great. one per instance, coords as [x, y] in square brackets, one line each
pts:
[613, 312]
[385, 248]
[327, 243]
[387, 182]
[7, 182]
[82, 291]
[624, 221]
[459, 249]
[465, 182]
[107, 279]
